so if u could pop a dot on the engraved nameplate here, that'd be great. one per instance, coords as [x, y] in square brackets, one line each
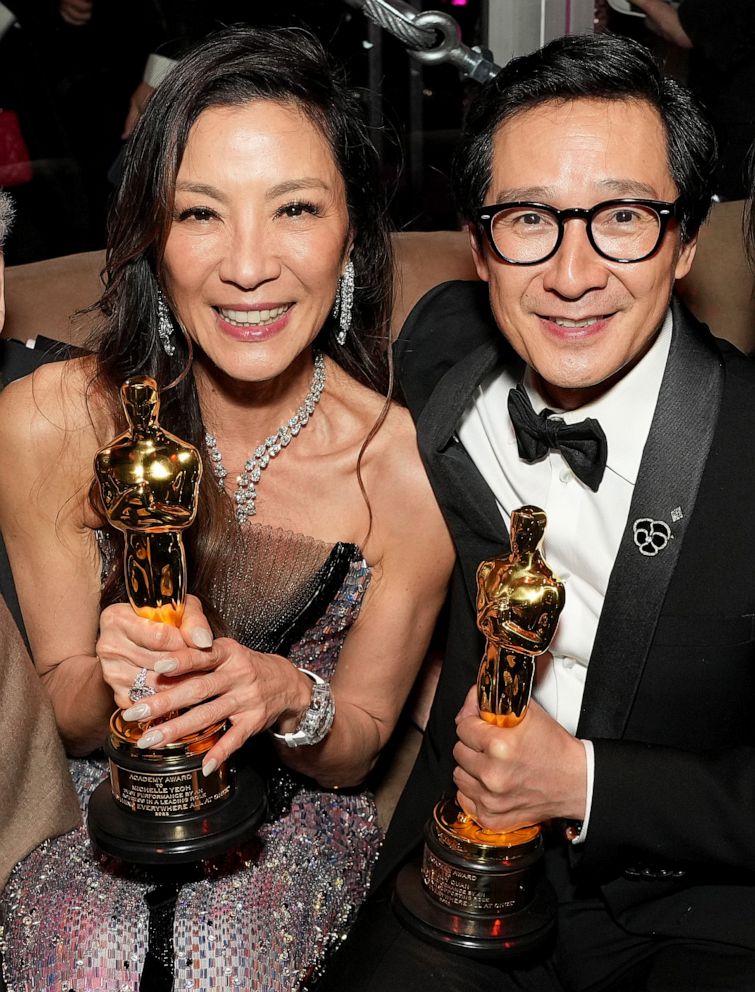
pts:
[470, 891]
[169, 793]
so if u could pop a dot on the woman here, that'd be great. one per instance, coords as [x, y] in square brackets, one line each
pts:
[248, 211]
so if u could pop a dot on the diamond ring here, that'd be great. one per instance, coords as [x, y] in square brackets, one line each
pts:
[140, 690]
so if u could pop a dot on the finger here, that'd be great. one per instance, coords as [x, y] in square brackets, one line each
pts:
[209, 690]
[231, 741]
[465, 782]
[194, 721]
[120, 626]
[473, 732]
[467, 804]
[124, 661]
[468, 759]
[123, 677]
[194, 626]
[469, 707]
[188, 661]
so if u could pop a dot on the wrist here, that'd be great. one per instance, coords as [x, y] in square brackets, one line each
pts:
[299, 701]
[317, 719]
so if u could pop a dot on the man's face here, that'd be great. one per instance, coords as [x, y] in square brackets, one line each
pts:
[578, 154]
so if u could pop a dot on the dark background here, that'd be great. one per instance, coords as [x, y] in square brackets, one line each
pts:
[70, 86]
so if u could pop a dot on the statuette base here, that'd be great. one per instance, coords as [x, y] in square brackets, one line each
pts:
[477, 893]
[196, 835]
[479, 935]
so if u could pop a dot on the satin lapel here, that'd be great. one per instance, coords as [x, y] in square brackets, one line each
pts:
[468, 505]
[667, 485]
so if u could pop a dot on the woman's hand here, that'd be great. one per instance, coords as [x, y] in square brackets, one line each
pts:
[127, 643]
[203, 685]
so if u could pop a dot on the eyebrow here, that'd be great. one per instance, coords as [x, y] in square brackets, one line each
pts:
[618, 187]
[292, 185]
[280, 189]
[203, 189]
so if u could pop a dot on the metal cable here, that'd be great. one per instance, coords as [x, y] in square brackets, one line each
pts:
[432, 36]
[399, 19]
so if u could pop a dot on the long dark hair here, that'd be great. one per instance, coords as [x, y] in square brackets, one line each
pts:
[231, 68]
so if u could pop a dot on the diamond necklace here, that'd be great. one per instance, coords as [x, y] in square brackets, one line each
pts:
[245, 496]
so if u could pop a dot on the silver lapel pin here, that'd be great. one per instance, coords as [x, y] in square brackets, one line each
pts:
[651, 536]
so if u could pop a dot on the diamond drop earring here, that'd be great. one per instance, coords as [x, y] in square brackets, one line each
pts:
[165, 325]
[344, 302]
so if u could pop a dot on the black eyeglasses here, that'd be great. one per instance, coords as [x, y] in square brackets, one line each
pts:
[627, 230]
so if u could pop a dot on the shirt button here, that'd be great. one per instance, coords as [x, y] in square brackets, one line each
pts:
[566, 475]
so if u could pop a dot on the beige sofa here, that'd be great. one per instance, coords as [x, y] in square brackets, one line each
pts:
[43, 297]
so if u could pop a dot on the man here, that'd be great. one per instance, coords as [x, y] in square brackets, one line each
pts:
[37, 799]
[584, 176]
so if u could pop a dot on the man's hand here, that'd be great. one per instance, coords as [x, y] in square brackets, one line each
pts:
[76, 12]
[138, 102]
[663, 20]
[509, 777]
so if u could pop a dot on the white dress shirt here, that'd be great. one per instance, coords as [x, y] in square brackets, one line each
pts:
[584, 528]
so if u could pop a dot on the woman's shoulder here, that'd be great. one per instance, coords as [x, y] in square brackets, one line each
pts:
[51, 420]
[54, 399]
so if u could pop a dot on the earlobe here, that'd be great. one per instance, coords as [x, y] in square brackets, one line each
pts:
[685, 259]
[478, 253]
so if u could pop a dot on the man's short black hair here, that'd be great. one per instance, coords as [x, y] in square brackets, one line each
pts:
[602, 67]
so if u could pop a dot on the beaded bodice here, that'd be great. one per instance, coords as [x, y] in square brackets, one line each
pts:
[288, 593]
[279, 591]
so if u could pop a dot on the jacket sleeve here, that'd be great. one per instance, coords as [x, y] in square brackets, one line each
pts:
[666, 807]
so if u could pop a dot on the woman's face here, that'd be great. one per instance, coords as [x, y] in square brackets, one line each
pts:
[259, 236]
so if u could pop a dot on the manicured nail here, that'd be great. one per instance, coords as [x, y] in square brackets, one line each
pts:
[209, 767]
[166, 665]
[136, 712]
[150, 739]
[201, 637]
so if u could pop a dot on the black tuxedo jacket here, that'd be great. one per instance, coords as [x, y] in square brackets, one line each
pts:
[670, 688]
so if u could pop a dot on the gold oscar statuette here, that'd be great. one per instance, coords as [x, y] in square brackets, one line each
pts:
[477, 891]
[158, 807]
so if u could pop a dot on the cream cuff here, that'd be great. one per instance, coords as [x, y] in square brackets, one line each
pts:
[590, 768]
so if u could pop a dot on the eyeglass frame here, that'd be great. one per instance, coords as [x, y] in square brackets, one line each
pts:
[666, 211]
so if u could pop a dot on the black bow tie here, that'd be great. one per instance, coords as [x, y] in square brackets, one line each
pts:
[583, 446]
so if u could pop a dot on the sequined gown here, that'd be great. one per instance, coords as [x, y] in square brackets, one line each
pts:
[262, 918]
